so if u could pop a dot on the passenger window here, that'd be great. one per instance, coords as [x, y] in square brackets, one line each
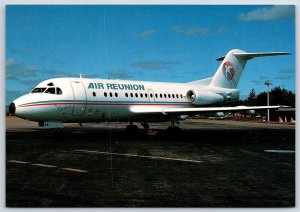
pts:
[126, 94]
[94, 94]
[181, 96]
[169, 95]
[50, 91]
[146, 95]
[58, 91]
[131, 94]
[177, 96]
[173, 96]
[141, 95]
[105, 94]
[160, 95]
[151, 95]
[165, 95]
[116, 94]
[156, 95]
[136, 95]
[110, 94]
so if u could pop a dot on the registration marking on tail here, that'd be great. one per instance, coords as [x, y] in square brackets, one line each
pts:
[140, 156]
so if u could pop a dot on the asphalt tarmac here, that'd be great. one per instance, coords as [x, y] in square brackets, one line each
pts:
[210, 163]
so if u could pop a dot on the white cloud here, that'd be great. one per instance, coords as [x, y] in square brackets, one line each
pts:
[190, 30]
[16, 69]
[286, 74]
[223, 29]
[21, 72]
[56, 73]
[118, 74]
[155, 65]
[268, 13]
[145, 34]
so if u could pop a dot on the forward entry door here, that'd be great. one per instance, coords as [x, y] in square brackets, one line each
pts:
[79, 105]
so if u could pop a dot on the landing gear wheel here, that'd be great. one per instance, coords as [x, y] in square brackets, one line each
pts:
[173, 131]
[132, 130]
[145, 125]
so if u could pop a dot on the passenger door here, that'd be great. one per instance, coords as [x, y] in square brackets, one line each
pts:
[79, 105]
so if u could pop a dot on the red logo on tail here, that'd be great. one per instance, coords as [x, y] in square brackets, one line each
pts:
[228, 70]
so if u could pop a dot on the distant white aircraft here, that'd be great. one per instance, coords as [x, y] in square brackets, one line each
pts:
[80, 100]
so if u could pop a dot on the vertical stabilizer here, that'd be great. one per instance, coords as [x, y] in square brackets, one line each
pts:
[232, 66]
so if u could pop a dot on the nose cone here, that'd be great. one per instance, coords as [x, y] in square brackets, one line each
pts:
[12, 108]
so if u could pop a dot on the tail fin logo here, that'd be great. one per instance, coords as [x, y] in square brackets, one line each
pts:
[228, 70]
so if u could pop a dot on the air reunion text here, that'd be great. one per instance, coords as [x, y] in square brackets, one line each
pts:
[115, 86]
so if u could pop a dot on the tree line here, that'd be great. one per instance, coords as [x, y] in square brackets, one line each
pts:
[278, 96]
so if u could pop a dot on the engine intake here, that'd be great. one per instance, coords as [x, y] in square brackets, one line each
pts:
[204, 97]
[191, 95]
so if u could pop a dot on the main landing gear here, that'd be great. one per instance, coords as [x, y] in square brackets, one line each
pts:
[173, 130]
[145, 125]
[132, 129]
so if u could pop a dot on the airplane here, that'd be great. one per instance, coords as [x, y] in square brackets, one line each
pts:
[54, 102]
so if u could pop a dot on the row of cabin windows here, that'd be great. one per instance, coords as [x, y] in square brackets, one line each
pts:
[110, 94]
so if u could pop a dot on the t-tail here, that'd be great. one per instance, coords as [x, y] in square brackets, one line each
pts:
[232, 66]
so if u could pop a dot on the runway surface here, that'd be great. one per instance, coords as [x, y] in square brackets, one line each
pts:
[210, 163]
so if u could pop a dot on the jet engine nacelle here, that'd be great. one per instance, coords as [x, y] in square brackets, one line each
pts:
[204, 97]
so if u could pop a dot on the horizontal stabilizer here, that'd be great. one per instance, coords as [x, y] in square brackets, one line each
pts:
[248, 56]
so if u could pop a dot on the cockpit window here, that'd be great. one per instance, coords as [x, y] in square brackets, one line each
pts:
[38, 90]
[59, 91]
[50, 90]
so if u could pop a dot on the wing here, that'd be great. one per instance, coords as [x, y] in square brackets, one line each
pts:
[194, 111]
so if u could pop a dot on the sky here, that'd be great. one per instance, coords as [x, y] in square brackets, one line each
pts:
[166, 43]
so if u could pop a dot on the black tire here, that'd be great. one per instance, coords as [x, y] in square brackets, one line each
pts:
[132, 130]
[173, 131]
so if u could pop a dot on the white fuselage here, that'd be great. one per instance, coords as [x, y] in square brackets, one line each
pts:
[95, 100]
